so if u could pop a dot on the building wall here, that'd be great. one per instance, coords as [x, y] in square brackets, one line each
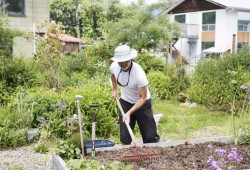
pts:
[226, 27]
[36, 11]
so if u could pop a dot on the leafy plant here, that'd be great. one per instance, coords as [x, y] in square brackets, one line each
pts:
[41, 148]
[215, 80]
[67, 151]
[84, 164]
[238, 124]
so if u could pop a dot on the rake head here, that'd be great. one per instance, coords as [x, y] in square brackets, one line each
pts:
[139, 153]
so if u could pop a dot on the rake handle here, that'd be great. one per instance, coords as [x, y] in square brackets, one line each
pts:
[127, 124]
[134, 141]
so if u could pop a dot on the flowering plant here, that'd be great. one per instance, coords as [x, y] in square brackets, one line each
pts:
[221, 159]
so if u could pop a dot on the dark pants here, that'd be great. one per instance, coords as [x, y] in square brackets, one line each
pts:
[145, 120]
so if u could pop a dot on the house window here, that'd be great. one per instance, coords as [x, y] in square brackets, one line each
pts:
[206, 45]
[243, 26]
[208, 21]
[13, 7]
[240, 45]
[180, 18]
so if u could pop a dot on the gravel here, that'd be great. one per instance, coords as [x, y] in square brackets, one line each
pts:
[24, 158]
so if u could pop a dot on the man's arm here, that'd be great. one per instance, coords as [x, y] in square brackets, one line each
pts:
[138, 104]
[114, 86]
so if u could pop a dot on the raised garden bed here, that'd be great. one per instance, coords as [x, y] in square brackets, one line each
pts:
[189, 154]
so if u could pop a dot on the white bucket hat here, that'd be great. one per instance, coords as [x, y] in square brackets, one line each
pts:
[124, 53]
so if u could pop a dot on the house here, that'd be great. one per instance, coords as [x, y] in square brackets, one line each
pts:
[70, 43]
[222, 24]
[24, 15]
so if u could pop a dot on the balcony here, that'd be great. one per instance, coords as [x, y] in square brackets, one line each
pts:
[189, 31]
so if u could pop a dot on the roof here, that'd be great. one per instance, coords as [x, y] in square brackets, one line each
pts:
[236, 4]
[233, 4]
[215, 50]
[69, 38]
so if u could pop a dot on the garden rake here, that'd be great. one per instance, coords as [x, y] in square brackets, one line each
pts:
[136, 153]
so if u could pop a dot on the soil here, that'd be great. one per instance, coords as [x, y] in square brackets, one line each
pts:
[181, 157]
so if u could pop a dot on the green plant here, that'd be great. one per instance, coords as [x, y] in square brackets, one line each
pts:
[67, 151]
[49, 54]
[84, 164]
[159, 84]
[41, 148]
[211, 83]
[238, 117]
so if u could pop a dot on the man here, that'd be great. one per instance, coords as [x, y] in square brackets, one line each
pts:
[135, 95]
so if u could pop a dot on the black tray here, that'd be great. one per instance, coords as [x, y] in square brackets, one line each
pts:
[99, 143]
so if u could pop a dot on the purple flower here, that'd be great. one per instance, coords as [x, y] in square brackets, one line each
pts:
[222, 160]
[242, 87]
[239, 159]
[220, 152]
[248, 87]
[210, 160]
[215, 165]
[209, 146]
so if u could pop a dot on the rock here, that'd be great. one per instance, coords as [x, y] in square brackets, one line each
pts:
[181, 97]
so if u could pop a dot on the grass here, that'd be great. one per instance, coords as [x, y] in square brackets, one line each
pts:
[181, 122]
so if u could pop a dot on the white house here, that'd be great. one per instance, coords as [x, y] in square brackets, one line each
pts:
[221, 24]
[24, 15]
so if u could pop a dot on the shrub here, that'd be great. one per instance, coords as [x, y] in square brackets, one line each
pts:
[159, 84]
[215, 81]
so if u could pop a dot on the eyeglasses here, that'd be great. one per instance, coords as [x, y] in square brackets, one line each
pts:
[128, 77]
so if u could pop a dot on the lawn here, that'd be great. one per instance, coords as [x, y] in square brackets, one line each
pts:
[182, 122]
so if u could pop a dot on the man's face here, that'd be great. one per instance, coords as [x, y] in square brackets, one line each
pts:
[124, 65]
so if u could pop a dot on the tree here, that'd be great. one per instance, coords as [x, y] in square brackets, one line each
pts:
[7, 35]
[64, 12]
[49, 54]
[141, 28]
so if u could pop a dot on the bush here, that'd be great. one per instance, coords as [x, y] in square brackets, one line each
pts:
[217, 81]
[12, 138]
[159, 84]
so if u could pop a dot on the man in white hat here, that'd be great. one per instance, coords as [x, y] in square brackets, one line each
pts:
[135, 95]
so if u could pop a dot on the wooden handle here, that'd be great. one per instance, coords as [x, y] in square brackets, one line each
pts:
[134, 141]
[127, 124]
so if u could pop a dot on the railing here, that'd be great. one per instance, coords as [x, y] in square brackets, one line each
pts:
[189, 30]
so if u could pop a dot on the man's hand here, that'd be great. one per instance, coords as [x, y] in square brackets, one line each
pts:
[115, 94]
[126, 117]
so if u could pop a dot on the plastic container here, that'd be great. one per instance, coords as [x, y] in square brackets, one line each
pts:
[99, 143]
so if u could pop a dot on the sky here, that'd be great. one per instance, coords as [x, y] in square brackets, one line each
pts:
[129, 1]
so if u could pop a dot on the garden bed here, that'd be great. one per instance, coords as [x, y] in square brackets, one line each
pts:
[181, 157]
[176, 155]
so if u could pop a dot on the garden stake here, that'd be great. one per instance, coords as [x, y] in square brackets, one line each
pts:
[78, 98]
[137, 153]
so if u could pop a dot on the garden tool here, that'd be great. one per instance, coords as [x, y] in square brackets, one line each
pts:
[138, 152]
[78, 98]
[93, 113]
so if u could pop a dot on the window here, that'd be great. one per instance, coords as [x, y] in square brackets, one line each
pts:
[208, 21]
[180, 18]
[206, 45]
[243, 26]
[13, 7]
[240, 45]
